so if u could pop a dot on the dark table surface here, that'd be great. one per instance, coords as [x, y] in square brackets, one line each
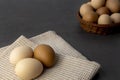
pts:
[32, 17]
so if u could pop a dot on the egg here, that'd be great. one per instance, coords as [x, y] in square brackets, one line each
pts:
[104, 19]
[91, 17]
[28, 68]
[115, 17]
[45, 54]
[113, 5]
[85, 8]
[89, 3]
[19, 53]
[97, 3]
[103, 10]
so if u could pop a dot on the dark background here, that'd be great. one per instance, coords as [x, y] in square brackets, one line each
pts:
[32, 17]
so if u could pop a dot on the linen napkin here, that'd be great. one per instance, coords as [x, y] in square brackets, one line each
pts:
[54, 40]
[71, 65]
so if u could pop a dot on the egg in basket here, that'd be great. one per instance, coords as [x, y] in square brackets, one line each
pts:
[100, 16]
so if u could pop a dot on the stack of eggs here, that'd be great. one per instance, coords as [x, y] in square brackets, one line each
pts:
[29, 63]
[101, 12]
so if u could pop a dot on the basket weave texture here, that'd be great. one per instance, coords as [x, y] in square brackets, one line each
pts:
[97, 28]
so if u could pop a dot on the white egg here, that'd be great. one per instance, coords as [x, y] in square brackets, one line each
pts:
[104, 19]
[89, 3]
[115, 17]
[19, 53]
[97, 3]
[28, 68]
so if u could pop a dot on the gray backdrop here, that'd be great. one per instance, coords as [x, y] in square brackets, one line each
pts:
[32, 17]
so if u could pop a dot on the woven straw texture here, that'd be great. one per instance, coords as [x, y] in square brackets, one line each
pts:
[69, 66]
[97, 28]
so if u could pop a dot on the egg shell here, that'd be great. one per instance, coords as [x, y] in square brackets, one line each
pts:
[115, 17]
[85, 8]
[28, 68]
[90, 17]
[89, 3]
[113, 5]
[45, 54]
[19, 53]
[104, 19]
[97, 3]
[103, 10]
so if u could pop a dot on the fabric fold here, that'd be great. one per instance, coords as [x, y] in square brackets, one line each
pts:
[71, 65]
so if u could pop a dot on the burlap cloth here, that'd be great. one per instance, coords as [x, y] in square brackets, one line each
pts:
[71, 65]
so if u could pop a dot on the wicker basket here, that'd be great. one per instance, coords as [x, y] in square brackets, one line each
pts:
[98, 29]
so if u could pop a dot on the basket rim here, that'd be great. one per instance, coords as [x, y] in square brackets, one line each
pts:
[97, 25]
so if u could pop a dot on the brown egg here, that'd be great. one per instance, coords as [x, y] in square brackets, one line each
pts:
[85, 8]
[91, 17]
[113, 5]
[45, 54]
[103, 10]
